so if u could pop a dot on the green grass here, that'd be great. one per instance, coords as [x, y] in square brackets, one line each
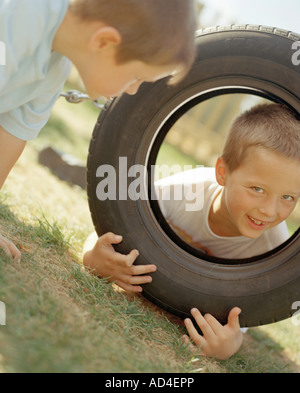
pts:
[61, 319]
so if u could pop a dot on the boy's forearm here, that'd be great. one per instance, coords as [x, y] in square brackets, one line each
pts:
[10, 150]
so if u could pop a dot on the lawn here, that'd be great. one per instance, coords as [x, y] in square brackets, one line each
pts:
[61, 319]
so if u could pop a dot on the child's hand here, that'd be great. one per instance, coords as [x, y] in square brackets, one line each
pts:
[10, 249]
[217, 341]
[105, 262]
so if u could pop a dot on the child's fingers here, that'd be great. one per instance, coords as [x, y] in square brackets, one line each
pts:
[126, 267]
[188, 342]
[129, 287]
[215, 325]
[131, 258]
[10, 249]
[139, 280]
[132, 283]
[195, 336]
[123, 261]
[16, 253]
[233, 318]
[5, 248]
[110, 238]
[135, 275]
[143, 269]
[203, 324]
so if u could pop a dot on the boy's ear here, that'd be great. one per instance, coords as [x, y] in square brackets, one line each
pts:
[104, 37]
[221, 171]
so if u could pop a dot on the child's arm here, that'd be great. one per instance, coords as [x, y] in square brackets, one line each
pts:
[10, 150]
[101, 258]
[220, 342]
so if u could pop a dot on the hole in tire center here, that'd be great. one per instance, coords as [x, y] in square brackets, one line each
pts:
[192, 146]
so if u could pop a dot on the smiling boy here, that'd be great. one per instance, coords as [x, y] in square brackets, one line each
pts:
[252, 190]
[259, 170]
[257, 196]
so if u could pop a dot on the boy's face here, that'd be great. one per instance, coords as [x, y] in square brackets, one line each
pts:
[107, 78]
[259, 194]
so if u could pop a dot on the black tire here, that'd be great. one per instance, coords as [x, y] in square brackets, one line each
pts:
[250, 59]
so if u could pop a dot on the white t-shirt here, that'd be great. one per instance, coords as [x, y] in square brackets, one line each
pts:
[33, 75]
[185, 200]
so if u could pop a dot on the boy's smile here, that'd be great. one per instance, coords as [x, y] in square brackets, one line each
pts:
[258, 195]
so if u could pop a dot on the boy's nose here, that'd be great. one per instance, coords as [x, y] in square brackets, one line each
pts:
[269, 209]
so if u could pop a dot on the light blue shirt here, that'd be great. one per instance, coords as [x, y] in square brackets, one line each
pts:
[33, 76]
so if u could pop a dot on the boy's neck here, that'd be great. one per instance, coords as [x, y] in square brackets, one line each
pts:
[65, 38]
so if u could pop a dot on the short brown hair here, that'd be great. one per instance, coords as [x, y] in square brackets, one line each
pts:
[157, 32]
[269, 126]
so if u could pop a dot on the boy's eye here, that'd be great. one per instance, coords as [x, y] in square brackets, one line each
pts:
[288, 198]
[258, 189]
